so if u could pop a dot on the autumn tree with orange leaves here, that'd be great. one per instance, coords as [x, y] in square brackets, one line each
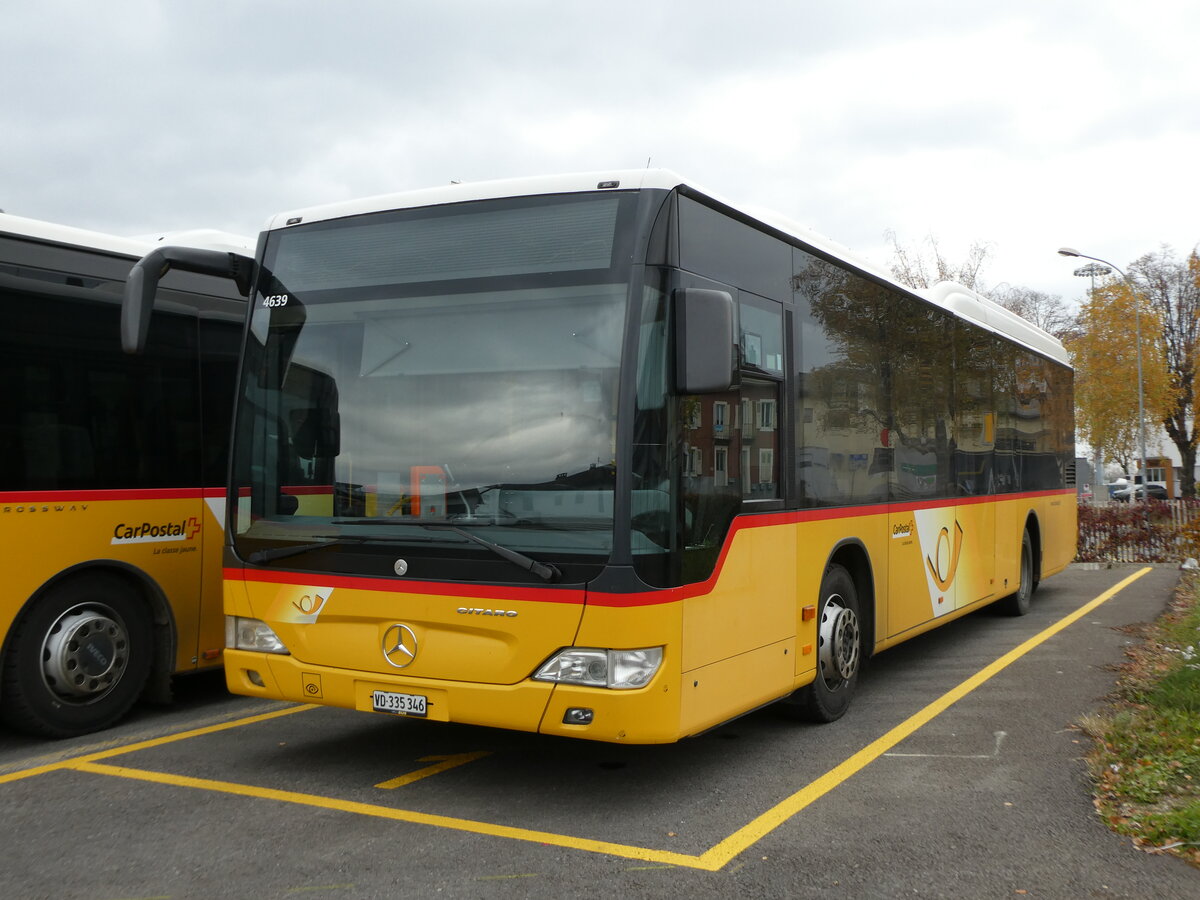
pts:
[1103, 348]
[1104, 351]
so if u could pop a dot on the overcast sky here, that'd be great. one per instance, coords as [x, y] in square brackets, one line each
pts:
[1025, 124]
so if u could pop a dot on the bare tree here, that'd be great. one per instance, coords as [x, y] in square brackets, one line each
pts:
[925, 265]
[1046, 311]
[1172, 289]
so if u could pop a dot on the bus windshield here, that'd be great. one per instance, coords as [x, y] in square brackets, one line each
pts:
[419, 379]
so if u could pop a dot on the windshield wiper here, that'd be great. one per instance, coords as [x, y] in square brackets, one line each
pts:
[546, 571]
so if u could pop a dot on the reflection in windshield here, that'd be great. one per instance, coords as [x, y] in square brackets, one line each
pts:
[470, 409]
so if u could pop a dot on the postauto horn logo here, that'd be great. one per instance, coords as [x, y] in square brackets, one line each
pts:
[156, 532]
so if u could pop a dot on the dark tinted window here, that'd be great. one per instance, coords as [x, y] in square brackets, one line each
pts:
[218, 374]
[842, 417]
[974, 411]
[1007, 471]
[760, 335]
[1044, 423]
[78, 413]
[716, 246]
[922, 373]
[523, 236]
[1061, 420]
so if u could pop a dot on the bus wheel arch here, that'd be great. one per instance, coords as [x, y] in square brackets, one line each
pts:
[1029, 570]
[81, 652]
[845, 620]
[1033, 528]
[851, 555]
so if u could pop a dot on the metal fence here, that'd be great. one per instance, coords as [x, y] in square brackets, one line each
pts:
[1156, 531]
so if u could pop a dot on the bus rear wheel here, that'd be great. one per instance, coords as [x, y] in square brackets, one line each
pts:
[839, 651]
[78, 659]
[1018, 603]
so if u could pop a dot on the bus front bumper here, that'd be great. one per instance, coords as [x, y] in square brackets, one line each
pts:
[649, 715]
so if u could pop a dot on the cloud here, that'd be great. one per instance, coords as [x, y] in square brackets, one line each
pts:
[1025, 124]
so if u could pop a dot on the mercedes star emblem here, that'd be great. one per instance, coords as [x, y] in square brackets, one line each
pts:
[399, 646]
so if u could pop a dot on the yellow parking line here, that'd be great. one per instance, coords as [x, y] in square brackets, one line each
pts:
[446, 762]
[754, 831]
[384, 812]
[711, 860]
[70, 762]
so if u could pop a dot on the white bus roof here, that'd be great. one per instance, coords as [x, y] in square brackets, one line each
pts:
[631, 179]
[989, 314]
[955, 298]
[135, 247]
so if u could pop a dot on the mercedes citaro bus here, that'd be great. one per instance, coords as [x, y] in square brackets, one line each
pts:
[605, 456]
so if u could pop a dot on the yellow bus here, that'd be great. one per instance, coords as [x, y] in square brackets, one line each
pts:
[112, 476]
[604, 456]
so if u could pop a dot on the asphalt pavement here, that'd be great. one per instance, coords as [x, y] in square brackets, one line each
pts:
[958, 773]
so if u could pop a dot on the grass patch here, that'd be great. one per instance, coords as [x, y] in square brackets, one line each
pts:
[1145, 762]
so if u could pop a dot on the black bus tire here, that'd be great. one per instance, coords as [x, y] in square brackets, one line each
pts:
[78, 659]
[1018, 603]
[839, 651]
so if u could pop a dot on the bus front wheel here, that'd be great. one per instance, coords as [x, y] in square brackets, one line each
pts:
[78, 659]
[839, 651]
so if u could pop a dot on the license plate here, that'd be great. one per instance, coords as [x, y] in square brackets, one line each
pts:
[398, 704]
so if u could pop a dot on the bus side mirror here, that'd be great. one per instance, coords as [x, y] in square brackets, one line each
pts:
[142, 284]
[705, 348]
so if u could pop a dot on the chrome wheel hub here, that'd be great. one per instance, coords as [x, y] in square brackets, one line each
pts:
[85, 652]
[839, 642]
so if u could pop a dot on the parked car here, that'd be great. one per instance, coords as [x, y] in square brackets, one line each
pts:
[1153, 490]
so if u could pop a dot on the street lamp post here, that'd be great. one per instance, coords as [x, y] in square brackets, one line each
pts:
[1091, 271]
[1137, 320]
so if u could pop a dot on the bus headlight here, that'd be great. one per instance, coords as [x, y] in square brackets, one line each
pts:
[252, 634]
[616, 669]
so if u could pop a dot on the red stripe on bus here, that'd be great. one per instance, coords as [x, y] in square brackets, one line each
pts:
[655, 597]
[699, 589]
[192, 493]
[443, 589]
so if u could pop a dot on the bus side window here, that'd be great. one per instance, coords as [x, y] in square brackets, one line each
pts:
[758, 441]
[845, 440]
[756, 438]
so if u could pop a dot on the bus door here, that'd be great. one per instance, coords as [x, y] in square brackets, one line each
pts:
[974, 441]
[219, 339]
[975, 552]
